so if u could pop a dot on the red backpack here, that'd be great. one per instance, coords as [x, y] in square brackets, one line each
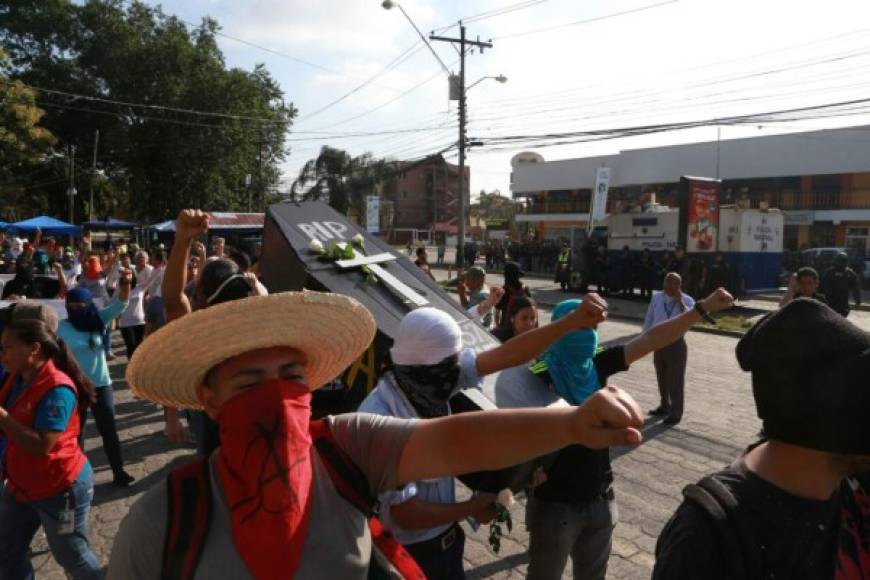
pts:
[190, 513]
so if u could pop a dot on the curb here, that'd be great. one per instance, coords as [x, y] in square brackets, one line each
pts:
[862, 308]
[695, 328]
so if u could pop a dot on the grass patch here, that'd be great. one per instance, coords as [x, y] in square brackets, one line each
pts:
[729, 322]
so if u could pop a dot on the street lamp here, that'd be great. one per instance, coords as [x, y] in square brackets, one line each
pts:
[458, 92]
[389, 5]
[500, 78]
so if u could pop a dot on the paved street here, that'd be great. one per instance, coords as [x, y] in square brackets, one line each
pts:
[719, 421]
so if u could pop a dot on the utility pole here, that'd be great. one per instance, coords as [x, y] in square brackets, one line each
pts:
[248, 188]
[463, 44]
[261, 190]
[71, 191]
[93, 175]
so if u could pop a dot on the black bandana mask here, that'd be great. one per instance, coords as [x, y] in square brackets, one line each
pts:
[428, 387]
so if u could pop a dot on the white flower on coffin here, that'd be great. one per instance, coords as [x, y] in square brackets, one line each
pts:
[358, 240]
[316, 246]
[506, 498]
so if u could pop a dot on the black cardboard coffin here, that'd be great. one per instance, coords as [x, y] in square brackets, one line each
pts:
[287, 263]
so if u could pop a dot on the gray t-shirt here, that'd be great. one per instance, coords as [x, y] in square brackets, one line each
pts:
[338, 543]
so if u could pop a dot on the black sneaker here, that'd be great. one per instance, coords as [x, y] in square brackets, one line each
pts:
[658, 411]
[123, 479]
[670, 420]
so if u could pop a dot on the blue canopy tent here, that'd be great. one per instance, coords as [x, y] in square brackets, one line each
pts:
[167, 226]
[110, 224]
[49, 226]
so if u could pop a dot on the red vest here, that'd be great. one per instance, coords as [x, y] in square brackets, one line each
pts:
[32, 477]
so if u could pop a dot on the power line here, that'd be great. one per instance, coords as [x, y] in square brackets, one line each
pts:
[225, 127]
[585, 21]
[500, 11]
[827, 110]
[405, 55]
[144, 105]
[387, 102]
[366, 134]
[128, 116]
[297, 59]
[629, 96]
[650, 106]
[754, 56]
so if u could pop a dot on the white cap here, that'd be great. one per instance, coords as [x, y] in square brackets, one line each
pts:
[426, 336]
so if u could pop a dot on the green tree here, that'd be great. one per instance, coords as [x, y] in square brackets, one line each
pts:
[343, 180]
[157, 159]
[24, 144]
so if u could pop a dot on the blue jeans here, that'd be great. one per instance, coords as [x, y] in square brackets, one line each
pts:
[19, 522]
[104, 414]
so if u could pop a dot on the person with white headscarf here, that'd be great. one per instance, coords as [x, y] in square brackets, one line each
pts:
[429, 365]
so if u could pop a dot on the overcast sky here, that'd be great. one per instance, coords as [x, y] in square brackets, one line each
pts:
[624, 63]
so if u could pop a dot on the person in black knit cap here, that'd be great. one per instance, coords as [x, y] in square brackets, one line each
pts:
[790, 507]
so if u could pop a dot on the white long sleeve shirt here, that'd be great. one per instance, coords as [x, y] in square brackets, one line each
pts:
[662, 307]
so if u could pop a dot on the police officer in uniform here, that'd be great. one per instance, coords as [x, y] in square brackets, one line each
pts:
[838, 282]
[563, 268]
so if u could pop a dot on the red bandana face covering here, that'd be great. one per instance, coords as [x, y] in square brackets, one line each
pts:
[265, 471]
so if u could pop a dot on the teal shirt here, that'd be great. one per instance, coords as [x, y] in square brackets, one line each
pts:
[92, 359]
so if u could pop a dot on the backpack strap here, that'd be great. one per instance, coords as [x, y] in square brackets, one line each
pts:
[349, 480]
[738, 540]
[389, 558]
[188, 520]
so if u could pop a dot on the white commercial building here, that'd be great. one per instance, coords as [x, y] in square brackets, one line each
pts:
[820, 179]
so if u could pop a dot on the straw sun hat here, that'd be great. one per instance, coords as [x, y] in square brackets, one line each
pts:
[330, 329]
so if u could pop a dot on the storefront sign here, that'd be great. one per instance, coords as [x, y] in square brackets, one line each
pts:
[799, 218]
[497, 224]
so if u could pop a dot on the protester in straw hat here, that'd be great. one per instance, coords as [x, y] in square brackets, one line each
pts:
[251, 364]
[789, 506]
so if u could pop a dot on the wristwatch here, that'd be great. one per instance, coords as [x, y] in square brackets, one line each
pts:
[704, 314]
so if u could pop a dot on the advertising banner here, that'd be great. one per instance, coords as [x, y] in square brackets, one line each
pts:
[373, 214]
[703, 215]
[599, 194]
